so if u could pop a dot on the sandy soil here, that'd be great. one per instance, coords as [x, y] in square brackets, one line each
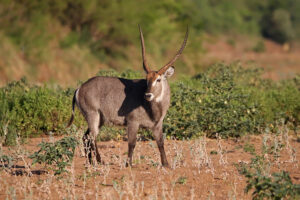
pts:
[278, 61]
[200, 169]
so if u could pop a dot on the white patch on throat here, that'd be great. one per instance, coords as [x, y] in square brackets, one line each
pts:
[161, 96]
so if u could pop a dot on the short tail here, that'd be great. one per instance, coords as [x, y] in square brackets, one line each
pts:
[73, 108]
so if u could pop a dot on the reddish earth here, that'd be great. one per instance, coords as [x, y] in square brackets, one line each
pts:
[279, 61]
[200, 169]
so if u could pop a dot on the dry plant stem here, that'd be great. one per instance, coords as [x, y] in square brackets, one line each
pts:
[57, 188]
[21, 155]
[132, 188]
[5, 128]
[192, 193]
[119, 190]
[79, 136]
[72, 181]
[233, 193]
[97, 183]
[119, 159]
[265, 148]
[84, 185]
[28, 192]
[211, 195]
[105, 169]
[156, 192]
[200, 157]
[223, 159]
[11, 193]
[5, 132]
[177, 161]
[277, 149]
[44, 188]
[289, 148]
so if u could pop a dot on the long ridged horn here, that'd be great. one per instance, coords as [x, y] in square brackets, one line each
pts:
[146, 67]
[164, 68]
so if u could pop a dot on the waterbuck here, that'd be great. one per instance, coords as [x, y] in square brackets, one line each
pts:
[132, 103]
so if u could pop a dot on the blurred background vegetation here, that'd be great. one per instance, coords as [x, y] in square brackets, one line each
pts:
[65, 40]
[58, 44]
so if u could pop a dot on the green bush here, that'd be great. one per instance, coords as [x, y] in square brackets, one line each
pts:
[279, 26]
[259, 47]
[228, 100]
[6, 160]
[56, 155]
[33, 110]
[278, 101]
[217, 103]
[232, 101]
[277, 186]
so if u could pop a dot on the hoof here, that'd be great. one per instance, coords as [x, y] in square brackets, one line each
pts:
[99, 161]
[128, 164]
[166, 165]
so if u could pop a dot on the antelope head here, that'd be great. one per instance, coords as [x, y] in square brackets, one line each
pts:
[157, 80]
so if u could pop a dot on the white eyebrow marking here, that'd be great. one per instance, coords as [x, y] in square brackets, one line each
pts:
[154, 82]
[160, 97]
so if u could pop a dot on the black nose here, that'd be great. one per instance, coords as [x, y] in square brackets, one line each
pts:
[148, 95]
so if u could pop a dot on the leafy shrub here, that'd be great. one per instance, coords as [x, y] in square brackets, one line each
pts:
[226, 99]
[32, 110]
[279, 101]
[108, 133]
[259, 47]
[265, 185]
[181, 119]
[276, 186]
[6, 160]
[217, 103]
[249, 148]
[232, 101]
[278, 26]
[59, 154]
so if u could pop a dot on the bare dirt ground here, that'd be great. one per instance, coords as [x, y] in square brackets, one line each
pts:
[199, 169]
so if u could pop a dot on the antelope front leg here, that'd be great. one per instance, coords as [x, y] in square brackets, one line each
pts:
[158, 135]
[132, 130]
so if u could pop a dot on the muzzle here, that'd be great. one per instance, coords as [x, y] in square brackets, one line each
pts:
[149, 96]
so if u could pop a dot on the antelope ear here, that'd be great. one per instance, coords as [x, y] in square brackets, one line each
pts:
[169, 72]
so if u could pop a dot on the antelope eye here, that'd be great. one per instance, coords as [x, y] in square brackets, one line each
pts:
[158, 80]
